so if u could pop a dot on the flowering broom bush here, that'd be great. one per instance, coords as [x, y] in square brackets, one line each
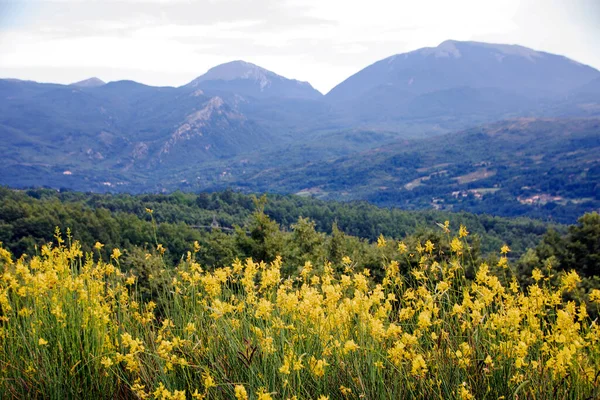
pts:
[73, 325]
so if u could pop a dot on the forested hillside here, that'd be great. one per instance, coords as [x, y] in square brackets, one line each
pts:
[29, 218]
[540, 168]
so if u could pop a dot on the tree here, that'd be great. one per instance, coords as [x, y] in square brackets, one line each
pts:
[336, 245]
[261, 239]
[583, 245]
[306, 244]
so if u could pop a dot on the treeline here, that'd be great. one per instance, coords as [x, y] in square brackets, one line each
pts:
[298, 229]
[46, 208]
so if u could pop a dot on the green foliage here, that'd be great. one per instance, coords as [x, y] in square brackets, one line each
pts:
[265, 227]
[306, 243]
[583, 245]
[578, 250]
[264, 240]
[336, 245]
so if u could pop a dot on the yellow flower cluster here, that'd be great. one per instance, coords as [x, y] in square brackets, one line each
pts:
[246, 331]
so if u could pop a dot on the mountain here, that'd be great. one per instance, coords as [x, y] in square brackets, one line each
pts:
[590, 91]
[102, 136]
[119, 132]
[246, 79]
[286, 106]
[91, 82]
[455, 64]
[457, 84]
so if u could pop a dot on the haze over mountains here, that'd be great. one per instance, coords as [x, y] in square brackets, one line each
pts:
[239, 118]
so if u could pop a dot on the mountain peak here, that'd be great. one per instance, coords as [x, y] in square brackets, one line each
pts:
[239, 69]
[236, 70]
[445, 49]
[245, 78]
[91, 82]
[456, 48]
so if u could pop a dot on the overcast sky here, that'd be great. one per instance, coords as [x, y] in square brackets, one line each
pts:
[170, 42]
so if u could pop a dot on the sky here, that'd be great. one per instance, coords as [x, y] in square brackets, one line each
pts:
[170, 42]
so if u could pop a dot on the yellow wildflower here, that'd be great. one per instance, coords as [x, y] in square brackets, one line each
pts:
[429, 246]
[456, 246]
[178, 395]
[116, 253]
[350, 346]
[139, 389]
[209, 382]
[263, 395]
[595, 296]
[464, 393]
[345, 391]
[402, 248]
[240, 392]
[419, 367]
[445, 226]
[106, 362]
[503, 262]
[537, 274]
[317, 367]
[570, 280]
[488, 361]
[442, 286]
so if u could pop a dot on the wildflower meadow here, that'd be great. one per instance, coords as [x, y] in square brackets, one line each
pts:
[75, 325]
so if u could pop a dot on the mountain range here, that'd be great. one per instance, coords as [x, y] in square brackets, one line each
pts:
[244, 126]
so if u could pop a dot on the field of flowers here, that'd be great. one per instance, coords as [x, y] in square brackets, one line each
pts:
[74, 325]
